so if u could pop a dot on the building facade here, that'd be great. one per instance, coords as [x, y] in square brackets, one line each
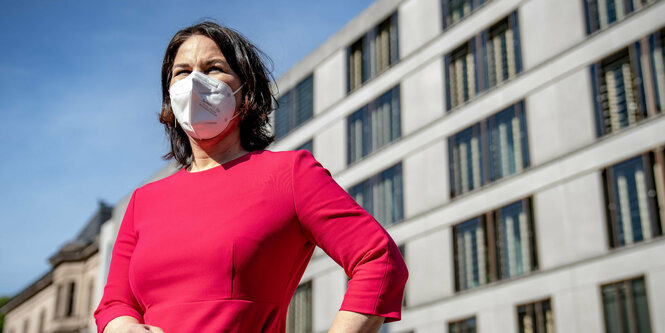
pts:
[63, 299]
[512, 148]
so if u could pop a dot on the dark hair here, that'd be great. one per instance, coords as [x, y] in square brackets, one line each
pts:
[246, 60]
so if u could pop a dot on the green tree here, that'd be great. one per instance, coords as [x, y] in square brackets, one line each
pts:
[3, 300]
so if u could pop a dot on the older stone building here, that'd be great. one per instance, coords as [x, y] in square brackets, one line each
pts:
[63, 299]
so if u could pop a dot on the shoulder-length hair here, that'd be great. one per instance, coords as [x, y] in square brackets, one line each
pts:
[247, 61]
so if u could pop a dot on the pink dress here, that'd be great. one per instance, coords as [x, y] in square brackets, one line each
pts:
[223, 250]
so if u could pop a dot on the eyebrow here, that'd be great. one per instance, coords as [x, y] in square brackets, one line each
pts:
[206, 63]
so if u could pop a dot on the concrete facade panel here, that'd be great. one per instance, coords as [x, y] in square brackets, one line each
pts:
[419, 22]
[422, 97]
[560, 117]
[430, 275]
[329, 148]
[329, 81]
[425, 179]
[567, 27]
[569, 221]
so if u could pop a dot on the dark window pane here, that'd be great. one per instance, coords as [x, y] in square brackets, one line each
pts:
[470, 254]
[374, 125]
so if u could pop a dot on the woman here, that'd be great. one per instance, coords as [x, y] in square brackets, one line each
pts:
[221, 245]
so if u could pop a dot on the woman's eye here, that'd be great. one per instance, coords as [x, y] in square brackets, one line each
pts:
[215, 69]
[182, 72]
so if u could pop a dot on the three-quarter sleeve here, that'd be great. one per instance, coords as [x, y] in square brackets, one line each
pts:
[118, 299]
[331, 219]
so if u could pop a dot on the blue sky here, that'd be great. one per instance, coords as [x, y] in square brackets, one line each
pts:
[79, 98]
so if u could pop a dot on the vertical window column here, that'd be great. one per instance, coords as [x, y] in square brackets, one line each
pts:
[372, 53]
[632, 201]
[514, 240]
[470, 247]
[296, 106]
[382, 195]
[507, 142]
[535, 317]
[374, 125]
[466, 160]
[299, 313]
[625, 307]
[463, 326]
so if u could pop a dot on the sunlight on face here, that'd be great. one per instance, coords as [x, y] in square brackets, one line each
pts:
[200, 53]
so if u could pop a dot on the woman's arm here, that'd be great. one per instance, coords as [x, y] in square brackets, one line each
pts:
[349, 322]
[331, 219]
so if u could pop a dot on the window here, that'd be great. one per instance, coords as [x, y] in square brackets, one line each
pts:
[374, 125]
[629, 85]
[455, 10]
[463, 326]
[507, 142]
[309, 146]
[381, 195]
[625, 307]
[26, 326]
[470, 249]
[488, 150]
[632, 200]
[602, 13]
[91, 293]
[58, 302]
[535, 317]
[485, 61]
[501, 52]
[619, 102]
[497, 245]
[42, 319]
[373, 53]
[657, 57]
[70, 299]
[295, 107]
[299, 314]
[462, 75]
[514, 239]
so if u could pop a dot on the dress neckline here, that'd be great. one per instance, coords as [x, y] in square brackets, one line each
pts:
[224, 166]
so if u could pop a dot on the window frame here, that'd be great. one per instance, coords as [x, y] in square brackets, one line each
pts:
[649, 161]
[492, 261]
[367, 62]
[477, 45]
[537, 310]
[631, 316]
[366, 186]
[291, 103]
[463, 321]
[483, 133]
[364, 115]
[445, 4]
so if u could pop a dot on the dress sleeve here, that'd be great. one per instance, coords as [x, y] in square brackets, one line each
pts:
[331, 219]
[118, 299]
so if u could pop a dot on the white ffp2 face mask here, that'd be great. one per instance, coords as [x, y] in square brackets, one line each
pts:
[204, 106]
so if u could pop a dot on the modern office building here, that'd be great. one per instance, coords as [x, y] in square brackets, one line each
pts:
[512, 148]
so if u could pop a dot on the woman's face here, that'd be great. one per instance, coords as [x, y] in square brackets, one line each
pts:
[200, 53]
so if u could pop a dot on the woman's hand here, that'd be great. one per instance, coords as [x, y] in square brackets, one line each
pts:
[127, 324]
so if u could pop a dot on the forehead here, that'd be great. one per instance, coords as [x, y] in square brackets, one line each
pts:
[198, 48]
